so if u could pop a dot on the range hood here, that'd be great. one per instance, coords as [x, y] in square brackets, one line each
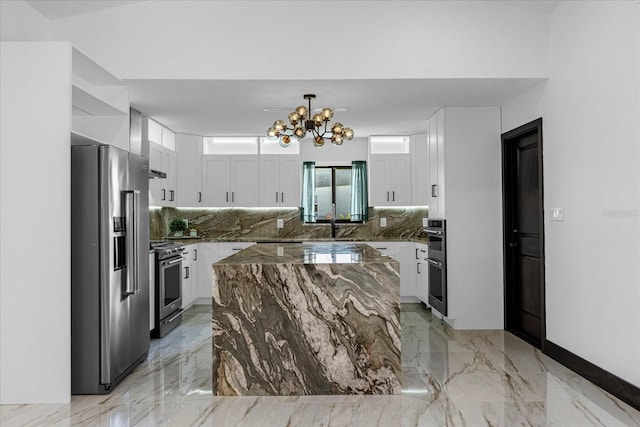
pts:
[156, 174]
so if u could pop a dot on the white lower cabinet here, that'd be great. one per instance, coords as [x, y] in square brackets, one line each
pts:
[208, 254]
[190, 275]
[403, 253]
[422, 277]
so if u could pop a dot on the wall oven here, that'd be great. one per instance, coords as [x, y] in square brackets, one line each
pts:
[168, 287]
[437, 268]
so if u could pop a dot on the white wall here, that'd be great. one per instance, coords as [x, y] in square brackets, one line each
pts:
[35, 291]
[21, 22]
[474, 217]
[591, 140]
[312, 39]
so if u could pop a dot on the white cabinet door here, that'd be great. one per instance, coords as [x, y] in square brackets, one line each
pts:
[280, 177]
[400, 179]
[169, 159]
[379, 193]
[422, 278]
[269, 180]
[189, 170]
[154, 131]
[405, 255]
[216, 175]
[390, 179]
[245, 181]
[207, 255]
[156, 185]
[168, 139]
[436, 126]
[420, 169]
[290, 180]
[187, 294]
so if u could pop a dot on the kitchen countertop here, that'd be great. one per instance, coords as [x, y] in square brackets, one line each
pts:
[307, 253]
[204, 239]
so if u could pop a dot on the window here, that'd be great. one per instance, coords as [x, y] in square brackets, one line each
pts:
[342, 186]
[230, 145]
[333, 185]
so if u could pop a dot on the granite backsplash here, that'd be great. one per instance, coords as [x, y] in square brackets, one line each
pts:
[261, 224]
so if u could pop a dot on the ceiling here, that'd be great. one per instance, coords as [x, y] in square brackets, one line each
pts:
[56, 9]
[373, 107]
[236, 107]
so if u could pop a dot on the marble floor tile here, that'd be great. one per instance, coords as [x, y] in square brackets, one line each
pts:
[449, 378]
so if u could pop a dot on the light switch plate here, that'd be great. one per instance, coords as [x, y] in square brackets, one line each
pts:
[280, 222]
[557, 214]
[383, 222]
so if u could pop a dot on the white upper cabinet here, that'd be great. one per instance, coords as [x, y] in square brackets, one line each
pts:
[280, 177]
[230, 181]
[436, 136]
[390, 180]
[189, 170]
[162, 191]
[420, 169]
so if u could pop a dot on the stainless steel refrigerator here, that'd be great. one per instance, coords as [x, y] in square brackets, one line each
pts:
[109, 267]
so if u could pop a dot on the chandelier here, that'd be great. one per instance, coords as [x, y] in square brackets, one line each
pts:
[301, 123]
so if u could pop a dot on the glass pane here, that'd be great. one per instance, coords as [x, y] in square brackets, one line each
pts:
[324, 192]
[343, 194]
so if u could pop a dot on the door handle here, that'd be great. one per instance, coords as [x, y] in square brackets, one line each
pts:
[276, 197]
[418, 268]
[164, 194]
[132, 211]
[227, 197]
[393, 193]
[282, 197]
[434, 190]
[195, 254]
[387, 196]
[436, 263]
[417, 254]
[186, 272]
[171, 195]
[233, 196]
[199, 196]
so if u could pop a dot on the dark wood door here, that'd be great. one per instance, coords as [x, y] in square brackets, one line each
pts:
[523, 232]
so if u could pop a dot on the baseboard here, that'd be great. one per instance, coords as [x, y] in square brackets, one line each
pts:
[618, 387]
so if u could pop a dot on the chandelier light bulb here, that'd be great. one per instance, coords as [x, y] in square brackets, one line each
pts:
[302, 111]
[347, 133]
[318, 119]
[271, 134]
[279, 125]
[337, 128]
[337, 140]
[299, 131]
[327, 114]
[294, 117]
[286, 140]
[318, 141]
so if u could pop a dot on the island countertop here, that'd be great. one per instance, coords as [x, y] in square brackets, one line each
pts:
[300, 319]
[307, 253]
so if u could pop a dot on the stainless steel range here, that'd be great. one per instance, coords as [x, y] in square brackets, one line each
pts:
[168, 286]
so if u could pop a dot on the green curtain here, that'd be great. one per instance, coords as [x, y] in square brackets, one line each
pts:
[308, 211]
[359, 198]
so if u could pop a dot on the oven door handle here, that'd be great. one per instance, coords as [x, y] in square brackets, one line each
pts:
[436, 232]
[132, 214]
[175, 261]
[436, 263]
[178, 313]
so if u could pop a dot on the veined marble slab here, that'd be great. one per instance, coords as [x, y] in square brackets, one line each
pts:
[303, 319]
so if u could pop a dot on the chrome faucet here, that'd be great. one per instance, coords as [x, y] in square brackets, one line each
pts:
[333, 220]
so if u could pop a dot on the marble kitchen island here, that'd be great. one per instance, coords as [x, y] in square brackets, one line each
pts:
[306, 319]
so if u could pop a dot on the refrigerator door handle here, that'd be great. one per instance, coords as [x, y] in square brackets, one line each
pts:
[132, 206]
